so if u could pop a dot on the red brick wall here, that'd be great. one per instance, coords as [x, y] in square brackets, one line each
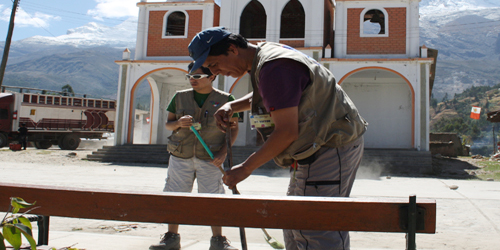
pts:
[158, 46]
[293, 43]
[216, 15]
[395, 43]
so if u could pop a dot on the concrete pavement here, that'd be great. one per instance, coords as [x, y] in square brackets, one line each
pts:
[467, 218]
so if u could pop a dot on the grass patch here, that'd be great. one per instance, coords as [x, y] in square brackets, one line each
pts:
[490, 169]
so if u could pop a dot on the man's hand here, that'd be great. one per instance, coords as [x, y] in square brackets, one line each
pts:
[236, 175]
[185, 121]
[222, 116]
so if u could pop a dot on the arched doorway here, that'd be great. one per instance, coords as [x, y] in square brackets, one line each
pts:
[386, 100]
[163, 83]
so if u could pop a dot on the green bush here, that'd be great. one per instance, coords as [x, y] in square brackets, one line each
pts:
[15, 225]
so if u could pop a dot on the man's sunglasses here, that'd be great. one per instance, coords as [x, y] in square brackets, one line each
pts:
[196, 77]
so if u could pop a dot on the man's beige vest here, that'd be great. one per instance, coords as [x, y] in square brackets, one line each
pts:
[183, 143]
[327, 117]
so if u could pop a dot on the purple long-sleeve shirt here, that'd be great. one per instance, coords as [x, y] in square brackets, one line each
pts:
[281, 83]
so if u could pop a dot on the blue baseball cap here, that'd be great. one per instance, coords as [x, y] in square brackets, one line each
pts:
[200, 45]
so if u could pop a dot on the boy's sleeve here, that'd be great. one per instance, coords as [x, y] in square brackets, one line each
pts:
[171, 106]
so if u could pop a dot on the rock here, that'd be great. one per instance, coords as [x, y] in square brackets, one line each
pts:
[490, 179]
[72, 154]
[453, 187]
[388, 177]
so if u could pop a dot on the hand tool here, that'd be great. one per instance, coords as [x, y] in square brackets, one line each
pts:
[269, 239]
[235, 191]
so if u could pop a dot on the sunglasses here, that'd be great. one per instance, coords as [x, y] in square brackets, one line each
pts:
[196, 77]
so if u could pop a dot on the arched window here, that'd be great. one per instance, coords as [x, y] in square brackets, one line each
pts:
[176, 24]
[253, 20]
[293, 20]
[374, 22]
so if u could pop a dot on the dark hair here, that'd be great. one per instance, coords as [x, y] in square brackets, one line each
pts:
[205, 70]
[221, 47]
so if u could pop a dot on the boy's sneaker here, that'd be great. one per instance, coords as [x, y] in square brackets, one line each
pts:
[220, 243]
[169, 241]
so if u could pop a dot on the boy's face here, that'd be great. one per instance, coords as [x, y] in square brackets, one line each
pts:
[202, 84]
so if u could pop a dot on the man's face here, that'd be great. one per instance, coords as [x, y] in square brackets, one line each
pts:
[228, 65]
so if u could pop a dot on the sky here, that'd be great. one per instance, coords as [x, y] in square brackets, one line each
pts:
[53, 18]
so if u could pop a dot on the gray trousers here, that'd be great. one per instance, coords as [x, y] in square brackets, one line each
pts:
[331, 174]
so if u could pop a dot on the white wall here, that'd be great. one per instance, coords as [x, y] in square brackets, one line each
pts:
[387, 107]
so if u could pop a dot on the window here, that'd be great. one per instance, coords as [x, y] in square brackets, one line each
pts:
[293, 20]
[77, 102]
[176, 24]
[373, 23]
[4, 114]
[253, 21]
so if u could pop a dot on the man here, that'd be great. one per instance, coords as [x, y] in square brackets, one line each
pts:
[306, 119]
[23, 135]
[189, 160]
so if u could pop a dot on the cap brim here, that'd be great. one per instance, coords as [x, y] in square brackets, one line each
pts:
[199, 62]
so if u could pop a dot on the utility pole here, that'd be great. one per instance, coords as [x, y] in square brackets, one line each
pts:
[7, 42]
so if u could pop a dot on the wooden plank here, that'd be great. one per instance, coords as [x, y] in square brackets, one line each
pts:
[285, 212]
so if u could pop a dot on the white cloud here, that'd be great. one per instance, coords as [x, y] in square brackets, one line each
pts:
[114, 8]
[24, 19]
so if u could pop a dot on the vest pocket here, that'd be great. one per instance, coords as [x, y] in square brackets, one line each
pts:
[173, 146]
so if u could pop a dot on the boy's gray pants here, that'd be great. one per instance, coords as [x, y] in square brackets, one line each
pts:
[330, 174]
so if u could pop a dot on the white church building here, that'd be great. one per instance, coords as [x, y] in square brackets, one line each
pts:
[372, 48]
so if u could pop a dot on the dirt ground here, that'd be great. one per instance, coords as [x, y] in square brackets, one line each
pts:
[443, 167]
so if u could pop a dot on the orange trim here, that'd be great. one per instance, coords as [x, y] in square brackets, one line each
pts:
[132, 94]
[235, 82]
[151, 113]
[412, 95]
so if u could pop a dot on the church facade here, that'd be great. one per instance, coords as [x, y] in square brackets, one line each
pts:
[372, 48]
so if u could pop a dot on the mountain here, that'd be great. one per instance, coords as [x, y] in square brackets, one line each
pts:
[465, 32]
[467, 35]
[90, 71]
[83, 58]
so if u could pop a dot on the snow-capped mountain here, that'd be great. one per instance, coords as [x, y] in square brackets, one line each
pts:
[92, 35]
[446, 6]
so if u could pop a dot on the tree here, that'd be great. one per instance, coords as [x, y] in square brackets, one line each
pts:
[445, 97]
[68, 90]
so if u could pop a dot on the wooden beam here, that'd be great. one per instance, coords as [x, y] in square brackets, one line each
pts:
[308, 213]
